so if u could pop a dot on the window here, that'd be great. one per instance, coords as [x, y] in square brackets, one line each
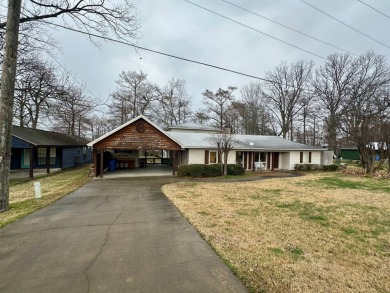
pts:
[84, 153]
[210, 157]
[305, 157]
[213, 157]
[239, 157]
[42, 156]
[123, 151]
[260, 157]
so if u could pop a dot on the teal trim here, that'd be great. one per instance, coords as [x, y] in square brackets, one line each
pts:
[27, 157]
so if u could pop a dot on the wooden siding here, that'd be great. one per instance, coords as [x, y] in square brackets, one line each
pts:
[138, 135]
[19, 143]
[72, 157]
[57, 163]
[16, 158]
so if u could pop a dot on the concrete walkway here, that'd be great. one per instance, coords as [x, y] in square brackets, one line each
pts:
[119, 235]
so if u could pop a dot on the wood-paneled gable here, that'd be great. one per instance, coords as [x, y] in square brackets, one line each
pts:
[138, 135]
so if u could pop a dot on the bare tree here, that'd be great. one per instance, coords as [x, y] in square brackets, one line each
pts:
[332, 85]
[200, 117]
[173, 105]
[284, 92]
[383, 141]
[36, 86]
[97, 125]
[218, 104]
[70, 110]
[134, 95]
[368, 100]
[225, 142]
[102, 17]
[6, 98]
[255, 117]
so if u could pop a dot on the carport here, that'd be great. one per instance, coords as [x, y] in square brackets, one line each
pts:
[139, 135]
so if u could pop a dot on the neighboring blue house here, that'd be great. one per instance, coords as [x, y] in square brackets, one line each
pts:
[35, 148]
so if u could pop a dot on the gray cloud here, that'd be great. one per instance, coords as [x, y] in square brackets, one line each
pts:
[179, 28]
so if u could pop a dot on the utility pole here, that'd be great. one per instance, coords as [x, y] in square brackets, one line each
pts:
[7, 98]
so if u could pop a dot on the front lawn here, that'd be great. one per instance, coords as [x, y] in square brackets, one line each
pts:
[324, 232]
[55, 186]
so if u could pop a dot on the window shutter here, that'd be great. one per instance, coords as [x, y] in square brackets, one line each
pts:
[309, 157]
[219, 158]
[301, 157]
[206, 157]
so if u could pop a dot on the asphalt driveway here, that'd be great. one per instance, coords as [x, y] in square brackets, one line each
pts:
[110, 236]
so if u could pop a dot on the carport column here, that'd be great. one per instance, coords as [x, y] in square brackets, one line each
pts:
[174, 162]
[95, 166]
[253, 161]
[47, 160]
[31, 175]
[101, 163]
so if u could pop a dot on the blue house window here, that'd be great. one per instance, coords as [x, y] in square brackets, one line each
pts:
[42, 156]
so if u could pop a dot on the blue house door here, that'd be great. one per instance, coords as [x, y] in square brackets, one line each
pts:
[25, 158]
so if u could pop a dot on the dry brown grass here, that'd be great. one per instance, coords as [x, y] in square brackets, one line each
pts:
[62, 183]
[319, 233]
[22, 197]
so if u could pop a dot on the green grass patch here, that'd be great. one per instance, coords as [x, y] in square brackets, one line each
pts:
[295, 252]
[18, 210]
[349, 231]
[365, 183]
[276, 250]
[306, 211]
[203, 213]
[54, 187]
[266, 194]
[16, 181]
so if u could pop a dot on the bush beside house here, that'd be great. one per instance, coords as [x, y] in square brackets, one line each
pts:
[213, 170]
[314, 167]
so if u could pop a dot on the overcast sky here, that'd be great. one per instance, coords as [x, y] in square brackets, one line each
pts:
[179, 28]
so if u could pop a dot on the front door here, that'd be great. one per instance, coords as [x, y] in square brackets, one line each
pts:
[275, 160]
[25, 158]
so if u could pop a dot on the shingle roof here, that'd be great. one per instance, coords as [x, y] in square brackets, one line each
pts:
[202, 140]
[192, 126]
[38, 137]
[260, 142]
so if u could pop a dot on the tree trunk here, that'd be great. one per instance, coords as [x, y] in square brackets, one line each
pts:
[7, 98]
[388, 167]
[225, 159]
[332, 136]
[367, 156]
